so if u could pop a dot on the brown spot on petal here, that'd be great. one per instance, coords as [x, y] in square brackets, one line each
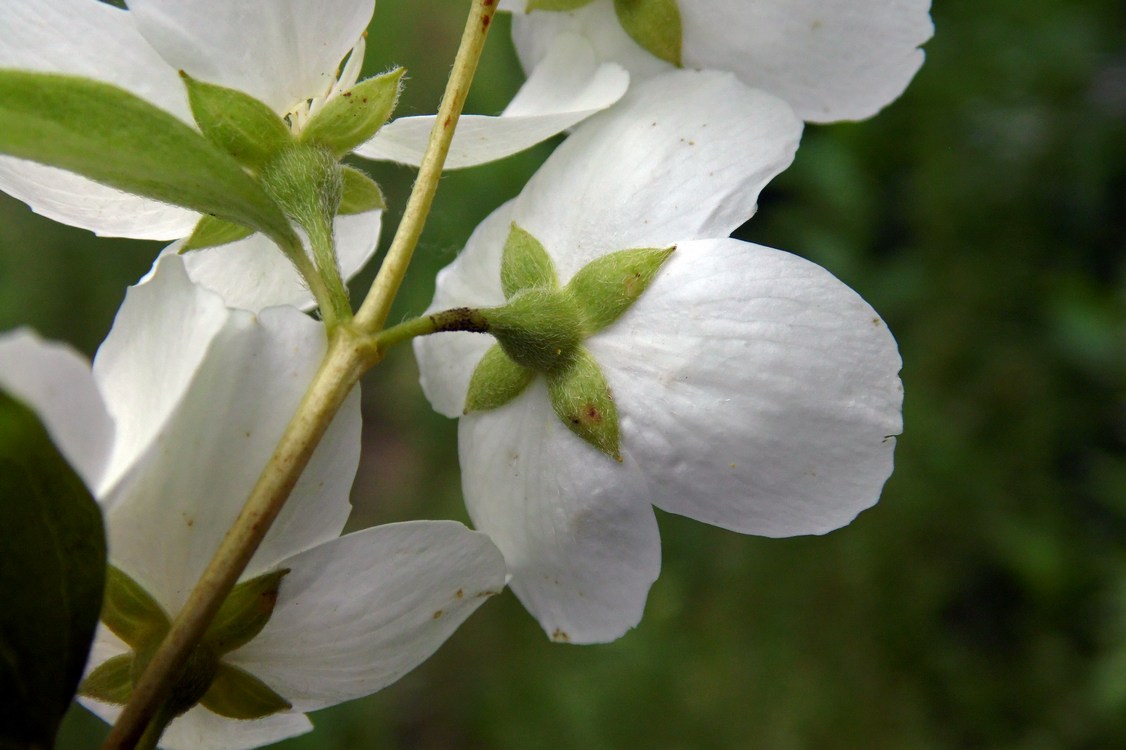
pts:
[459, 594]
[560, 637]
[437, 614]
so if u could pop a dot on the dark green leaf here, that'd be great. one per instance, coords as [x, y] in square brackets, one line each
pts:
[52, 570]
[111, 136]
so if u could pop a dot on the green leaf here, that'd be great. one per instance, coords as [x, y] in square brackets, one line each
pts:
[582, 400]
[355, 115]
[244, 613]
[242, 126]
[237, 694]
[211, 232]
[563, 5]
[115, 138]
[131, 612]
[52, 570]
[496, 381]
[111, 682]
[361, 193]
[654, 24]
[525, 264]
[607, 286]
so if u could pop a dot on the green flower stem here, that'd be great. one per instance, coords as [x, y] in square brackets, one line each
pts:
[338, 309]
[155, 729]
[350, 353]
[326, 300]
[457, 319]
[373, 313]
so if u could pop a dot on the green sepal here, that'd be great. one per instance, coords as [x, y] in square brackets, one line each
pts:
[606, 287]
[525, 264]
[361, 193]
[655, 25]
[131, 612]
[560, 5]
[237, 694]
[211, 232]
[52, 573]
[496, 381]
[354, 116]
[244, 127]
[111, 682]
[244, 613]
[582, 399]
[538, 329]
[113, 137]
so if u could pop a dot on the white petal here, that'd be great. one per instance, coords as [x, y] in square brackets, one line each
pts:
[281, 52]
[566, 88]
[533, 35]
[198, 473]
[253, 274]
[835, 60]
[199, 729]
[55, 381]
[575, 526]
[446, 360]
[758, 392]
[359, 612]
[160, 338]
[682, 156]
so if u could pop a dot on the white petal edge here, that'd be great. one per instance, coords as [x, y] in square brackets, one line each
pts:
[191, 484]
[159, 339]
[681, 156]
[757, 391]
[576, 528]
[566, 88]
[253, 274]
[357, 613]
[281, 52]
[55, 382]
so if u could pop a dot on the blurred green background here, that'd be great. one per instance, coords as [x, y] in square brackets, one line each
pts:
[981, 604]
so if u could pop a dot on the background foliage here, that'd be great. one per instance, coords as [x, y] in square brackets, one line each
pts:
[982, 603]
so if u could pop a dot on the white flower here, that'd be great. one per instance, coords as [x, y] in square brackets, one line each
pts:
[286, 53]
[755, 392]
[185, 403]
[829, 59]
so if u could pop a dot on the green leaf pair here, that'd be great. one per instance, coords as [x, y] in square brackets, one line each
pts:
[52, 563]
[222, 688]
[654, 24]
[542, 327]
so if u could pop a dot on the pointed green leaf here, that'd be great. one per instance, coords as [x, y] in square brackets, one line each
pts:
[582, 400]
[496, 381]
[525, 264]
[111, 682]
[361, 193]
[211, 232]
[245, 612]
[606, 287]
[113, 137]
[654, 24]
[52, 571]
[237, 694]
[355, 115]
[131, 612]
[556, 4]
[242, 126]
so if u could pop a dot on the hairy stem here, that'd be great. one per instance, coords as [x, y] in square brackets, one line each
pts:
[373, 313]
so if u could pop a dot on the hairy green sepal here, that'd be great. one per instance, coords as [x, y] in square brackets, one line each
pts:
[135, 616]
[361, 193]
[52, 572]
[211, 232]
[541, 328]
[113, 137]
[655, 25]
[351, 118]
[244, 127]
